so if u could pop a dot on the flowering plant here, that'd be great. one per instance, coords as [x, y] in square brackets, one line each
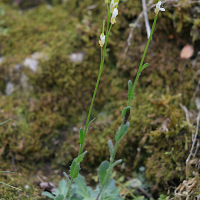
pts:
[75, 188]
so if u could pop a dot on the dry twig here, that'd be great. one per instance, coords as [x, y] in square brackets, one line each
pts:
[193, 144]
[148, 29]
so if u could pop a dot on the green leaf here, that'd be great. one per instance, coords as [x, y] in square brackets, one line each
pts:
[80, 158]
[6, 172]
[117, 134]
[60, 197]
[5, 121]
[144, 66]
[130, 87]
[110, 144]
[56, 191]
[91, 121]
[72, 191]
[81, 186]
[122, 131]
[81, 136]
[110, 191]
[102, 170]
[48, 195]
[63, 187]
[116, 163]
[74, 169]
[67, 179]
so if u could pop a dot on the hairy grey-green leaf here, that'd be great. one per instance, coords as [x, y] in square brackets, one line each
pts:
[60, 197]
[122, 131]
[110, 144]
[67, 179]
[117, 134]
[48, 195]
[63, 187]
[81, 186]
[116, 163]
[56, 191]
[102, 170]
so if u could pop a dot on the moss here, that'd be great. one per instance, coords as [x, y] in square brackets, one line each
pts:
[20, 180]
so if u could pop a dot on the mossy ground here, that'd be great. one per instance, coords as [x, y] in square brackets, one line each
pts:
[42, 118]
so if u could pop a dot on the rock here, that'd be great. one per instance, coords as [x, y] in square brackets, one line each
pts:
[9, 88]
[187, 51]
[39, 56]
[31, 63]
[77, 57]
[1, 59]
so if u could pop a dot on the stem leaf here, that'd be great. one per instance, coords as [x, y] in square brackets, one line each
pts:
[48, 194]
[74, 169]
[67, 179]
[80, 158]
[81, 136]
[91, 121]
[5, 121]
[130, 87]
[143, 67]
[102, 170]
[110, 144]
[122, 131]
[115, 163]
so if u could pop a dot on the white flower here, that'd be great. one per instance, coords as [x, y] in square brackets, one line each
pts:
[26, 187]
[112, 6]
[114, 15]
[102, 40]
[158, 8]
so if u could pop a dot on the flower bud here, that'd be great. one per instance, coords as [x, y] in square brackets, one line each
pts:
[158, 8]
[112, 6]
[102, 40]
[114, 15]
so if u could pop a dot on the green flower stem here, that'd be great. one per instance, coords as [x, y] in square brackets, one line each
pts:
[97, 83]
[6, 172]
[144, 54]
[133, 89]
[103, 52]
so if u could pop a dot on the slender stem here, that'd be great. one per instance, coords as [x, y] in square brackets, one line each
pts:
[129, 101]
[144, 54]
[97, 83]
[103, 52]
[6, 172]
[10, 186]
